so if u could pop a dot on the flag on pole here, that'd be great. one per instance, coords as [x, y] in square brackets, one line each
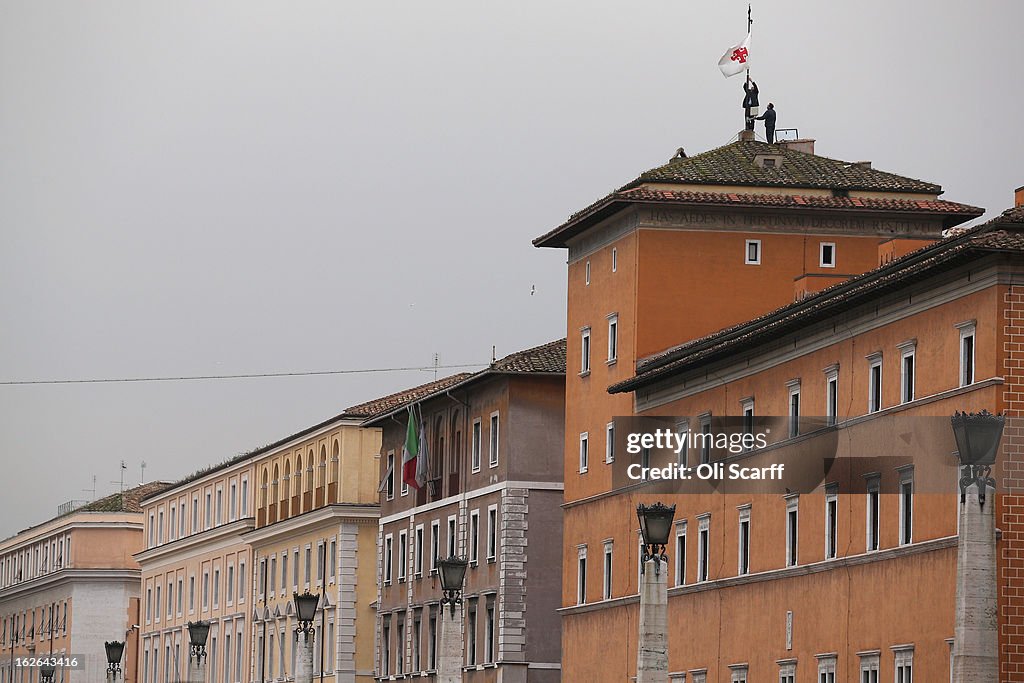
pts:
[422, 466]
[410, 450]
[736, 59]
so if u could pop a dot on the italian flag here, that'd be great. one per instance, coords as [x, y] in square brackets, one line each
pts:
[410, 453]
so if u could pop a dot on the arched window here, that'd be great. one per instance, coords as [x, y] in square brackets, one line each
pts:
[336, 463]
[323, 466]
[286, 488]
[263, 488]
[309, 471]
[297, 489]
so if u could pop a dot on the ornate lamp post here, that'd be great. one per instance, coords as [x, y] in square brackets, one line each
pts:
[976, 641]
[305, 611]
[115, 650]
[652, 645]
[198, 632]
[449, 660]
[46, 673]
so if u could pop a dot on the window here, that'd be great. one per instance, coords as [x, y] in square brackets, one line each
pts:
[827, 668]
[390, 483]
[243, 508]
[681, 553]
[387, 558]
[159, 529]
[284, 572]
[273, 574]
[451, 536]
[683, 432]
[967, 331]
[792, 529]
[584, 451]
[149, 605]
[787, 671]
[400, 658]
[220, 506]
[613, 337]
[231, 584]
[794, 407]
[209, 510]
[191, 594]
[385, 648]
[435, 544]
[489, 632]
[703, 539]
[904, 656]
[295, 570]
[181, 596]
[906, 504]
[233, 501]
[609, 443]
[581, 574]
[152, 529]
[831, 512]
[206, 590]
[492, 533]
[417, 552]
[476, 445]
[403, 554]
[831, 394]
[747, 406]
[416, 637]
[474, 537]
[241, 582]
[615, 259]
[606, 592]
[875, 383]
[172, 527]
[585, 351]
[705, 445]
[752, 254]
[868, 667]
[743, 565]
[309, 554]
[321, 564]
[873, 489]
[471, 629]
[827, 254]
[587, 273]
[738, 673]
[907, 370]
[493, 453]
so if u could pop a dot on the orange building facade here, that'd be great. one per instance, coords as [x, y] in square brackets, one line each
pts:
[675, 288]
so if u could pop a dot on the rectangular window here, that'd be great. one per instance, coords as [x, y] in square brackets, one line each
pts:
[683, 434]
[206, 590]
[826, 669]
[403, 554]
[585, 351]
[387, 558]
[181, 596]
[831, 513]
[243, 508]
[606, 592]
[233, 503]
[743, 565]
[705, 445]
[390, 484]
[869, 668]
[587, 273]
[492, 533]
[309, 554]
[831, 395]
[827, 254]
[584, 451]
[794, 408]
[216, 588]
[321, 564]
[906, 506]
[752, 253]
[609, 443]
[613, 337]
[295, 569]
[493, 453]
[333, 562]
[703, 548]
[476, 445]
[231, 584]
[220, 506]
[904, 657]
[875, 383]
[474, 537]
[272, 581]
[451, 537]
[191, 594]
[471, 632]
[747, 406]
[871, 503]
[284, 572]
[581, 575]
[432, 638]
[417, 552]
[241, 582]
[907, 371]
[489, 632]
[615, 259]
[738, 674]
[787, 672]
[792, 530]
[209, 510]
[435, 544]
[681, 553]
[967, 331]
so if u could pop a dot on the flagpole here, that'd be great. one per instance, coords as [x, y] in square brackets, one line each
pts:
[750, 22]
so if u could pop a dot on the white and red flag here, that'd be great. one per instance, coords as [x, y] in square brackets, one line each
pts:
[736, 59]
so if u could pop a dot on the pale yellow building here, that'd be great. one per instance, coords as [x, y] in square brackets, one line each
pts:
[71, 583]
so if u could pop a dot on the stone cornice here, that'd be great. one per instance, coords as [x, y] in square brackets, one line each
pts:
[335, 513]
[69, 576]
[218, 537]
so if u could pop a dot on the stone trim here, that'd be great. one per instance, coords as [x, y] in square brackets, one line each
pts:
[512, 557]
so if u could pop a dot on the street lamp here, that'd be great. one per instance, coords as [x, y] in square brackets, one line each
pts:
[655, 527]
[453, 573]
[977, 441]
[198, 632]
[46, 673]
[305, 609]
[115, 650]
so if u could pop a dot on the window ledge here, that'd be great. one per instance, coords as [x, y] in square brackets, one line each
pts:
[611, 361]
[585, 373]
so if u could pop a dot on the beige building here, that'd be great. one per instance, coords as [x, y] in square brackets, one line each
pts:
[316, 530]
[197, 567]
[71, 583]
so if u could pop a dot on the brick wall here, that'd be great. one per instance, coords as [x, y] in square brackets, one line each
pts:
[1010, 498]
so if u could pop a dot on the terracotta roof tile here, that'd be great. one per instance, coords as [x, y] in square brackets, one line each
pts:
[548, 357]
[386, 404]
[129, 501]
[999, 234]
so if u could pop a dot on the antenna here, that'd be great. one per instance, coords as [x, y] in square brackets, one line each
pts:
[142, 465]
[93, 489]
[437, 362]
[494, 350]
[124, 466]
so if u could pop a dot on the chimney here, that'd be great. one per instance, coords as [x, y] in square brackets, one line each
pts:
[1018, 196]
[746, 135]
[805, 145]
[862, 164]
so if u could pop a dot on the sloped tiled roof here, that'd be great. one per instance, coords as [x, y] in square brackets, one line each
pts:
[733, 164]
[399, 399]
[548, 357]
[1003, 233]
[129, 501]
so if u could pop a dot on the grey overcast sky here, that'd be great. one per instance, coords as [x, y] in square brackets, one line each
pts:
[232, 187]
